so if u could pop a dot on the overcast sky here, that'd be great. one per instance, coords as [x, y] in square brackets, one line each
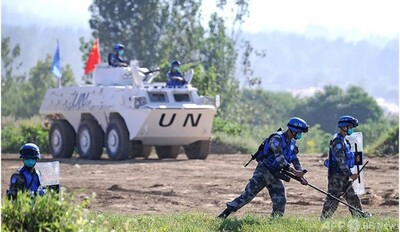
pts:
[353, 20]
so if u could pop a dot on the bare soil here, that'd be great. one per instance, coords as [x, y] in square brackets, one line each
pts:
[152, 186]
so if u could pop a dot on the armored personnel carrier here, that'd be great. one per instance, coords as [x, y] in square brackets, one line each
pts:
[127, 114]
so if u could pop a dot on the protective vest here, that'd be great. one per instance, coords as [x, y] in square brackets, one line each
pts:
[173, 82]
[115, 61]
[331, 163]
[31, 180]
[266, 155]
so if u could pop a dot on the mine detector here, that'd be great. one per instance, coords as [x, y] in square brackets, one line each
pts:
[125, 113]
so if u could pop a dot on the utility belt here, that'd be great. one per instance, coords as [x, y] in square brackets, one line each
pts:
[279, 174]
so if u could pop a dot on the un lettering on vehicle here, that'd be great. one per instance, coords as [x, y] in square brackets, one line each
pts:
[190, 120]
[78, 101]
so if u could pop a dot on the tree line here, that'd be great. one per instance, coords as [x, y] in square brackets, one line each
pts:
[158, 31]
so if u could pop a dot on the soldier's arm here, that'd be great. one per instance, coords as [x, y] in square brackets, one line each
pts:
[296, 162]
[338, 150]
[275, 143]
[17, 183]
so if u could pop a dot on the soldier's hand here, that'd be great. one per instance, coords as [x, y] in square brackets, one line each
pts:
[304, 181]
[299, 174]
[354, 176]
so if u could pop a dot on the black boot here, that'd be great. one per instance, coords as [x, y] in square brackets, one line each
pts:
[225, 213]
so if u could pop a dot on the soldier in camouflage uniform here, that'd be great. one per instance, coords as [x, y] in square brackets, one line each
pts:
[274, 154]
[27, 178]
[341, 159]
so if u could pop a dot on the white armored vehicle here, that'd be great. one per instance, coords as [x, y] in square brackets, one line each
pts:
[127, 114]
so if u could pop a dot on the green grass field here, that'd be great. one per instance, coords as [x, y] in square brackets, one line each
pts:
[54, 212]
[201, 222]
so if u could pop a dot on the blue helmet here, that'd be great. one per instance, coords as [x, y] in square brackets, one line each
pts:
[118, 47]
[346, 121]
[298, 125]
[175, 63]
[29, 150]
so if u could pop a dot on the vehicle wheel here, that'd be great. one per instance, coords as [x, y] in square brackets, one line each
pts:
[90, 140]
[164, 152]
[139, 150]
[117, 142]
[61, 139]
[198, 150]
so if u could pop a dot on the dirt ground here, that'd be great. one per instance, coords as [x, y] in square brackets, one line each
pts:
[153, 186]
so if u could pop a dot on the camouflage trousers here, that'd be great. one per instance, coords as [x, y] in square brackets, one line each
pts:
[336, 185]
[262, 178]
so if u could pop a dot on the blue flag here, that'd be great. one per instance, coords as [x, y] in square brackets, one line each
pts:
[56, 66]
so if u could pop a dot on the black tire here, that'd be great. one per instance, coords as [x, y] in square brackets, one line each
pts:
[164, 152]
[198, 150]
[90, 140]
[61, 139]
[117, 142]
[139, 150]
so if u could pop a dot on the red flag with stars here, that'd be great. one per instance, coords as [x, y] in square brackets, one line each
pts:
[94, 58]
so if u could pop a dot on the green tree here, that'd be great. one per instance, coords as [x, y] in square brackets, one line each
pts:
[11, 84]
[22, 97]
[183, 34]
[263, 107]
[8, 57]
[40, 80]
[136, 24]
[326, 107]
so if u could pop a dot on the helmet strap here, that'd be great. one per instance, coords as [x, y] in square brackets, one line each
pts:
[342, 129]
[292, 134]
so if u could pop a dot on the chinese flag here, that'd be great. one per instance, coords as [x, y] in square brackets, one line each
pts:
[94, 58]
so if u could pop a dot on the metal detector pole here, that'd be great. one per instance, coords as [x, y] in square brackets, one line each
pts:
[321, 191]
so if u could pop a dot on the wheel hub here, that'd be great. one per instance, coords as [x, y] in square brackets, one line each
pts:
[84, 141]
[112, 141]
[56, 141]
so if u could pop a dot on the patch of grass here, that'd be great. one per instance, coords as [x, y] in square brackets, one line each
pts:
[64, 213]
[202, 222]
[388, 144]
[51, 212]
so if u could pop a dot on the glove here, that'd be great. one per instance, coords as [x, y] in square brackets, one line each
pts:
[354, 176]
[299, 174]
[304, 181]
[42, 192]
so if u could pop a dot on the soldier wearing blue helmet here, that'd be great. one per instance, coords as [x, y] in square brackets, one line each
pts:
[114, 59]
[174, 76]
[340, 160]
[276, 152]
[27, 178]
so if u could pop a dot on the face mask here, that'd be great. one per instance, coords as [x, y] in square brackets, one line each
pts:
[29, 162]
[121, 52]
[349, 131]
[176, 68]
[298, 136]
